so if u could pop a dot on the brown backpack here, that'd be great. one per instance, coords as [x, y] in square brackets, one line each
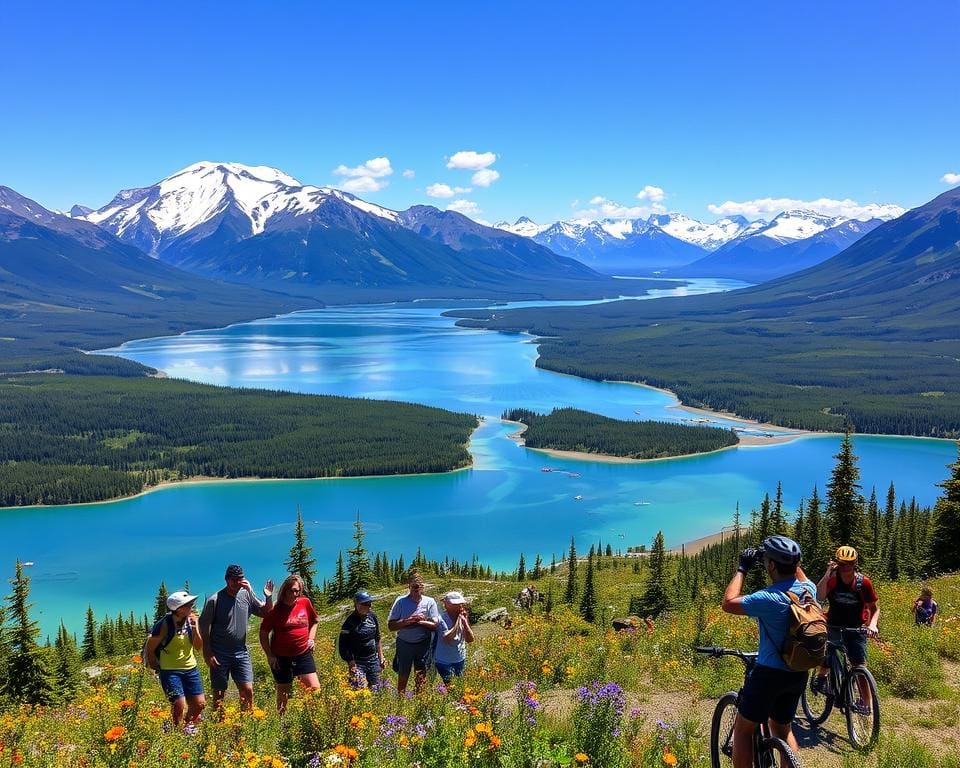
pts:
[805, 646]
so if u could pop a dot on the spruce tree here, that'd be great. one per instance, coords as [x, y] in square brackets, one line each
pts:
[844, 512]
[160, 602]
[537, 571]
[873, 540]
[68, 663]
[29, 678]
[800, 530]
[655, 598]
[522, 569]
[945, 533]
[778, 522]
[570, 594]
[358, 566]
[90, 648]
[588, 602]
[816, 554]
[301, 560]
[338, 587]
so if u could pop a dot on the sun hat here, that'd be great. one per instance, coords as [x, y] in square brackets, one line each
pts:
[454, 598]
[233, 572]
[363, 597]
[179, 599]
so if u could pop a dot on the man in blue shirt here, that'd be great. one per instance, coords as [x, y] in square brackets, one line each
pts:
[773, 690]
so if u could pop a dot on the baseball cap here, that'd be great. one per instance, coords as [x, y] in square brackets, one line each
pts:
[179, 599]
[233, 572]
[363, 597]
[454, 598]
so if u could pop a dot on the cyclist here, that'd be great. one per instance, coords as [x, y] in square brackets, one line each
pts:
[773, 690]
[853, 604]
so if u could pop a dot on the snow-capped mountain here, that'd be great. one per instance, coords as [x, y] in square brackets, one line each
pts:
[256, 224]
[707, 236]
[208, 196]
[524, 226]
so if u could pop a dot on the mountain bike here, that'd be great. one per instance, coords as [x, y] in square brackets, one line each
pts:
[768, 751]
[843, 689]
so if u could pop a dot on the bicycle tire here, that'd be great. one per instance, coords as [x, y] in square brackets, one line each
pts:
[721, 730]
[816, 706]
[782, 755]
[863, 729]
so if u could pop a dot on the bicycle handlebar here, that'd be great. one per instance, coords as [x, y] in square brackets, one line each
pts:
[716, 651]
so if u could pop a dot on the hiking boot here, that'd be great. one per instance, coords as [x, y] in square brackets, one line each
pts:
[819, 684]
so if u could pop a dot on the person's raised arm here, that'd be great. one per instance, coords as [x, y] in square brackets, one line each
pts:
[732, 601]
[824, 581]
[195, 636]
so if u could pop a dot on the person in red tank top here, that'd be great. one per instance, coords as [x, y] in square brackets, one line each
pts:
[287, 635]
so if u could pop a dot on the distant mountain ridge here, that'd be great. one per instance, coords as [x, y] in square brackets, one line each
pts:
[677, 245]
[258, 225]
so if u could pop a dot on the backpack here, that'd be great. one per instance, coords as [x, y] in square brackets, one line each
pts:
[805, 645]
[171, 631]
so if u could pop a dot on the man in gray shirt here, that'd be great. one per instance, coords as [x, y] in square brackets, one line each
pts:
[223, 627]
[413, 617]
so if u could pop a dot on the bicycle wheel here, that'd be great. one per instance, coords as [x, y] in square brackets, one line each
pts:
[863, 711]
[776, 753]
[721, 731]
[816, 706]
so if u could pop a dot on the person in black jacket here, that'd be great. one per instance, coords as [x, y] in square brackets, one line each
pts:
[359, 643]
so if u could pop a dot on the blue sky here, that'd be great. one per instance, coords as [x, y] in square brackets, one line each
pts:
[689, 106]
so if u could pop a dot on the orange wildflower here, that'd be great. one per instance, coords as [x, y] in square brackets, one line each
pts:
[580, 758]
[669, 758]
[114, 733]
[127, 703]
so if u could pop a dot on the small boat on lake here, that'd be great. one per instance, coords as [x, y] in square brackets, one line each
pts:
[641, 503]
[28, 563]
[546, 469]
[577, 498]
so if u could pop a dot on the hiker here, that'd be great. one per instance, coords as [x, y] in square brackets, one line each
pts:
[413, 617]
[287, 635]
[773, 689]
[453, 634]
[925, 608]
[853, 604]
[223, 625]
[359, 644]
[170, 652]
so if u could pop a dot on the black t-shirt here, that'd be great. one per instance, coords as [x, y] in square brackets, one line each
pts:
[847, 603]
[359, 637]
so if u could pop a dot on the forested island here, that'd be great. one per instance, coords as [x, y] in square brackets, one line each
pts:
[571, 429]
[69, 439]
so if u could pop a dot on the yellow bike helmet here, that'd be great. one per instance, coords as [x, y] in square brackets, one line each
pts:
[846, 555]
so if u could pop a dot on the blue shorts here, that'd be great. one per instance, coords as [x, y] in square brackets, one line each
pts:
[854, 643]
[235, 665]
[416, 655]
[180, 683]
[289, 667]
[447, 671]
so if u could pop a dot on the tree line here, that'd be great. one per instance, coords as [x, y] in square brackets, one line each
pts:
[571, 429]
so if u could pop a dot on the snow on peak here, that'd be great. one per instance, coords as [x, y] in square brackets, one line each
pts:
[200, 192]
[799, 225]
[524, 226]
[707, 236]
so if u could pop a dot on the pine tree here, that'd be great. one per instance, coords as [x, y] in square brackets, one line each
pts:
[358, 566]
[844, 513]
[553, 563]
[945, 533]
[301, 560]
[68, 663]
[800, 530]
[160, 605]
[29, 678]
[778, 522]
[570, 594]
[816, 555]
[522, 569]
[90, 648]
[537, 571]
[655, 598]
[588, 602]
[874, 543]
[889, 522]
[338, 587]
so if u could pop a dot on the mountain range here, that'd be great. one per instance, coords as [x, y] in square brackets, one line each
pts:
[258, 225]
[676, 245]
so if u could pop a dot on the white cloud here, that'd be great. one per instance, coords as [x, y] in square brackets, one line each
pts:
[604, 208]
[767, 206]
[950, 178]
[376, 168]
[466, 207]
[470, 160]
[485, 177]
[409, 173]
[363, 184]
[445, 190]
[653, 194]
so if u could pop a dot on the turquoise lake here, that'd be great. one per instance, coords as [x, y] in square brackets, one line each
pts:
[114, 555]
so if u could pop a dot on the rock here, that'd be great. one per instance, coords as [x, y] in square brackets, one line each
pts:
[627, 623]
[497, 614]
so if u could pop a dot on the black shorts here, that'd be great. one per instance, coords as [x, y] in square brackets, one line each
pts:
[771, 694]
[289, 667]
[854, 643]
